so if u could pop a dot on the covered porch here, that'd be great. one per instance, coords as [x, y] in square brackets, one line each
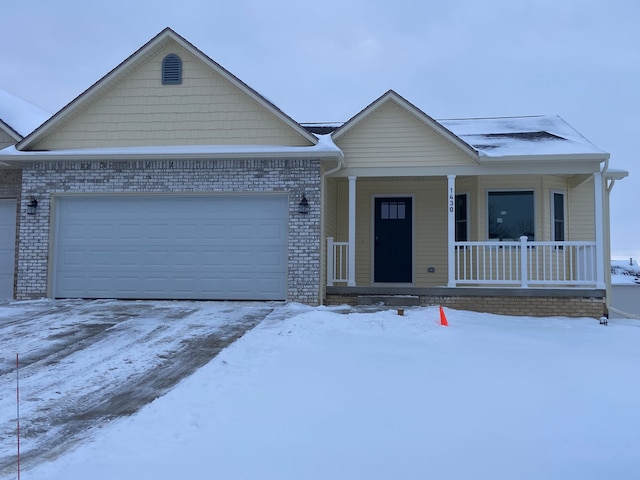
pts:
[452, 243]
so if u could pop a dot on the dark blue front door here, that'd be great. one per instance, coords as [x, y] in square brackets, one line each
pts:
[393, 240]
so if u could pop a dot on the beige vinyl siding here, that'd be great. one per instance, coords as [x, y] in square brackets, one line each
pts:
[206, 109]
[6, 140]
[429, 227]
[391, 137]
[582, 212]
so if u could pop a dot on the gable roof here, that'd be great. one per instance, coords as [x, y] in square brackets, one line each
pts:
[392, 97]
[18, 117]
[107, 82]
[494, 138]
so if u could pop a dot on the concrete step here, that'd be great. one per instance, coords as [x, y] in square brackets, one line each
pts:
[390, 300]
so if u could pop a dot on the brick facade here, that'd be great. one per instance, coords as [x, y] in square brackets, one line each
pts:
[294, 176]
[521, 305]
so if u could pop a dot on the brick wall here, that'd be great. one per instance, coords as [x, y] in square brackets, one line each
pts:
[533, 306]
[295, 177]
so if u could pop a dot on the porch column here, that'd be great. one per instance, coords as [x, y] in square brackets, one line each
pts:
[451, 230]
[598, 191]
[351, 280]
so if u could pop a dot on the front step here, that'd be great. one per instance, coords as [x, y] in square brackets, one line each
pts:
[390, 300]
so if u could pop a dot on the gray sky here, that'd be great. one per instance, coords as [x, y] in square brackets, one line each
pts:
[325, 61]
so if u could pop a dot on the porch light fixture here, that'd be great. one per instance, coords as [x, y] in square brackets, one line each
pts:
[303, 206]
[32, 206]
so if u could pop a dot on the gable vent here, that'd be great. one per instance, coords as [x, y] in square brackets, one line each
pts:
[171, 70]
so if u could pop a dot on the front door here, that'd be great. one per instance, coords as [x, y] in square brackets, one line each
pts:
[393, 240]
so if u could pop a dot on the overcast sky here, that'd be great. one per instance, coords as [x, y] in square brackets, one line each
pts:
[325, 61]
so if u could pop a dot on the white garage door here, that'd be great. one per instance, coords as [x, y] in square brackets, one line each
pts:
[7, 246]
[230, 247]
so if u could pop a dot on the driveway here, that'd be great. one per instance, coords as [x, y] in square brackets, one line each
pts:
[83, 363]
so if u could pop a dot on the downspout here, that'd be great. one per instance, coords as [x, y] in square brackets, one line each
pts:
[608, 187]
[341, 164]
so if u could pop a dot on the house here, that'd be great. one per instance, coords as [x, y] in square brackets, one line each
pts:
[171, 178]
[17, 118]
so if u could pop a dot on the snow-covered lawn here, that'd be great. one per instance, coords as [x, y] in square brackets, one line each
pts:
[317, 393]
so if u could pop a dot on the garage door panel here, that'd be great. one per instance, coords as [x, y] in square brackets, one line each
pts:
[7, 246]
[217, 247]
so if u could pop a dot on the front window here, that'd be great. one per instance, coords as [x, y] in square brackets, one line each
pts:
[557, 216]
[462, 218]
[511, 215]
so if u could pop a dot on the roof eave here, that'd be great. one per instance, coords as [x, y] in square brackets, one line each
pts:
[484, 159]
[32, 157]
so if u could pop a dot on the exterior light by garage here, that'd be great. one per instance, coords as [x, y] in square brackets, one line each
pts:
[303, 206]
[32, 206]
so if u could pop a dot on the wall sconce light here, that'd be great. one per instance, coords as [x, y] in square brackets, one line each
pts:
[32, 206]
[303, 206]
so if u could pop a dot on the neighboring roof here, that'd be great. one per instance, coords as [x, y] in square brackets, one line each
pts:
[124, 68]
[520, 136]
[321, 128]
[20, 116]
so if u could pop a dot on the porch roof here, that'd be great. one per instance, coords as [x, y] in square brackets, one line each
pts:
[521, 136]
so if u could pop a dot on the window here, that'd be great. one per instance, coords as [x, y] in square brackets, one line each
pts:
[392, 210]
[557, 217]
[171, 70]
[462, 218]
[511, 215]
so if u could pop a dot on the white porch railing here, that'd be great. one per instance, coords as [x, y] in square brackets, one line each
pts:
[520, 263]
[524, 263]
[337, 261]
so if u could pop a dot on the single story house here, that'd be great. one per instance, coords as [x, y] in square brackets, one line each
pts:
[170, 178]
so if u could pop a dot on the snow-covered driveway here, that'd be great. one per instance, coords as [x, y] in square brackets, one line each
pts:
[83, 363]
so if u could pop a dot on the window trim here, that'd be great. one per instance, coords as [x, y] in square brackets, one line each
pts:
[552, 203]
[510, 190]
[467, 219]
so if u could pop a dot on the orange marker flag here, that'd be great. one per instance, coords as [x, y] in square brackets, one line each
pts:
[443, 318]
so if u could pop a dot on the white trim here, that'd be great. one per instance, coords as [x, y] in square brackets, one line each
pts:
[599, 224]
[351, 281]
[552, 214]
[451, 229]
[535, 216]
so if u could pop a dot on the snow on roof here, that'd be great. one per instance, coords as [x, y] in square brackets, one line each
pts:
[324, 147]
[22, 116]
[514, 136]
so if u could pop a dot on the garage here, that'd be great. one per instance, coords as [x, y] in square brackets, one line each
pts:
[213, 247]
[7, 246]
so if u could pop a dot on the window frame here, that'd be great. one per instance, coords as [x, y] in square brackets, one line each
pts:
[552, 203]
[530, 191]
[467, 220]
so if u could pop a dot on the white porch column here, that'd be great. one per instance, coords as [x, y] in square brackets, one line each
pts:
[351, 280]
[598, 191]
[451, 229]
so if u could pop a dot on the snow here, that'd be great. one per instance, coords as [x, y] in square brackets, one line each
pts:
[325, 146]
[513, 136]
[625, 272]
[333, 392]
[22, 116]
